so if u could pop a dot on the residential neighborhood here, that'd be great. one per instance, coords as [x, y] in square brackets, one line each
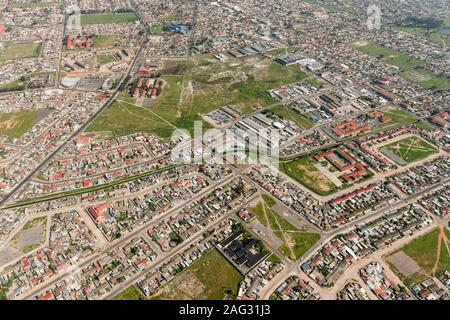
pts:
[224, 150]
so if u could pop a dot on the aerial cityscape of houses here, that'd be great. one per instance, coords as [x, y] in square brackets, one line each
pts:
[109, 191]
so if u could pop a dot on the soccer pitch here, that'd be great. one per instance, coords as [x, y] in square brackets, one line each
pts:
[411, 149]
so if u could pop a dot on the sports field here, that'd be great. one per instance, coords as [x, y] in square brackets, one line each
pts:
[14, 50]
[105, 18]
[431, 252]
[303, 171]
[411, 149]
[210, 277]
[295, 242]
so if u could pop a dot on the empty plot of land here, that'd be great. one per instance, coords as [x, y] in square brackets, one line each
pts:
[404, 263]
[328, 174]
[104, 41]
[272, 240]
[13, 50]
[291, 218]
[105, 18]
[195, 86]
[15, 124]
[426, 79]
[295, 243]
[431, 253]
[8, 254]
[210, 277]
[105, 58]
[291, 115]
[416, 75]
[391, 56]
[304, 171]
[32, 236]
[123, 118]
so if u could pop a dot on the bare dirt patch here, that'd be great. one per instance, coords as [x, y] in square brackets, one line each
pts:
[190, 285]
[405, 264]
[360, 43]
[320, 15]
[315, 177]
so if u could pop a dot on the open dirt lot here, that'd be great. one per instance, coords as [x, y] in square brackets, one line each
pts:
[404, 263]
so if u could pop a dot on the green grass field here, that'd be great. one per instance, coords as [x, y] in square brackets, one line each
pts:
[289, 114]
[423, 125]
[433, 36]
[105, 58]
[412, 149]
[281, 52]
[105, 18]
[13, 85]
[131, 293]
[14, 50]
[104, 41]
[446, 21]
[16, 124]
[303, 171]
[390, 56]
[123, 118]
[399, 118]
[155, 31]
[211, 277]
[295, 242]
[423, 250]
[167, 105]
[436, 83]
